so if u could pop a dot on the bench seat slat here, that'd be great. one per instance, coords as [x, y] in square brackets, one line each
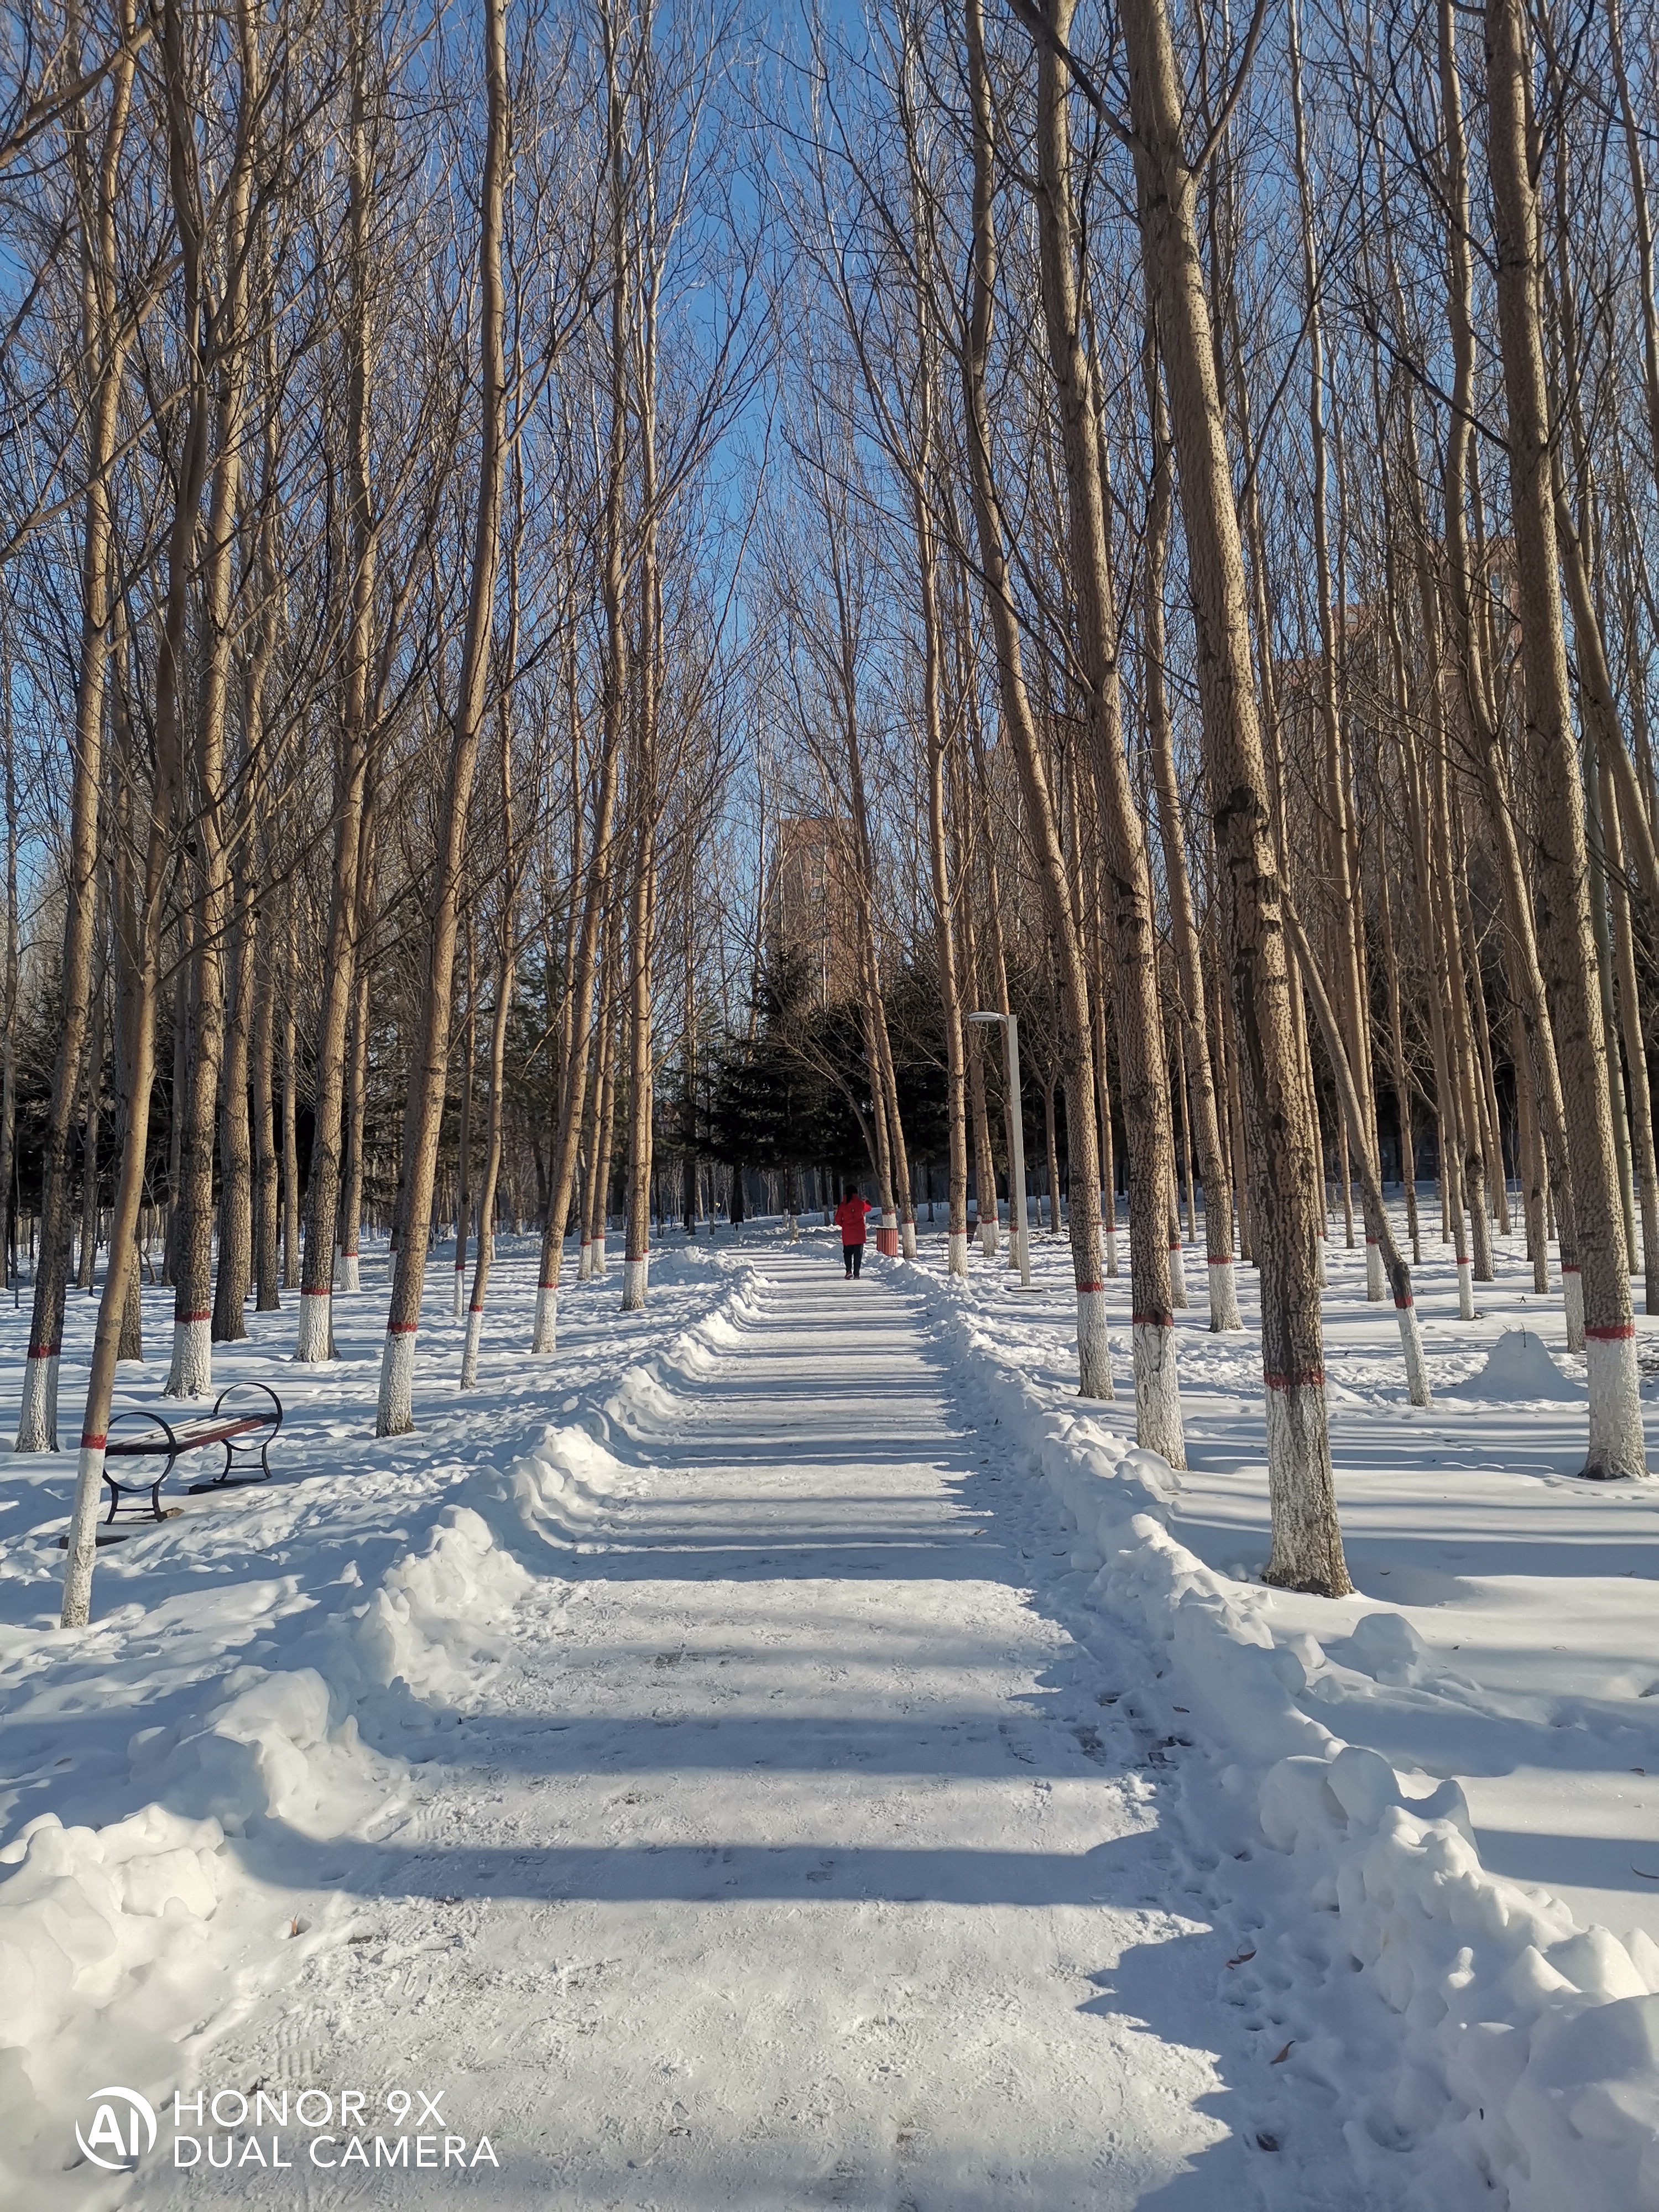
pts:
[188, 1434]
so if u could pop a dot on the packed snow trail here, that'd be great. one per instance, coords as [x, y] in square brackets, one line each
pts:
[798, 1854]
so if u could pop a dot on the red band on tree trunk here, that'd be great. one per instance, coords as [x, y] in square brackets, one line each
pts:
[1314, 1378]
[1153, 1320]
[44, 1350]
[1614, 1333]
[92, 1444]
[402, 1327]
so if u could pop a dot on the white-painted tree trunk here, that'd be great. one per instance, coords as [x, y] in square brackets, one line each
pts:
[1178, 1298]
[313, 1335]
[1410, 1346]
[1158, 1391]
[396, 1416]
[1466, 1290]
[348, 1274]
[1376, 1283]
[987, 1236]
[1223, 1295]
[470, 1352]
[598, 1253]
[1616, 1446]
[635, 1277]
[83, 1531]
[908, 1239]
[1094, 1350]
[37, 1418]
[1572, 1303]
[545, 1336]
[1111, 1246]
[956, 1253]
[190, 1374]
[460, 1289]
[585, 1264]
[1319, 1262]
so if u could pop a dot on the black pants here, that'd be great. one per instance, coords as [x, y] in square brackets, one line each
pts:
[852, 1259]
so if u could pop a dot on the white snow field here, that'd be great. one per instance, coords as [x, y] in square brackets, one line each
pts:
[713, 1766]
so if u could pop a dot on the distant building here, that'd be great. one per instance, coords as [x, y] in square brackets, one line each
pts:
[814, 918]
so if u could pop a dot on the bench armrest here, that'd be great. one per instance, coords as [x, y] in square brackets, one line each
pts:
[274, 1417]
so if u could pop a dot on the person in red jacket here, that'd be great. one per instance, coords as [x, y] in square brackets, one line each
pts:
[849, 1220]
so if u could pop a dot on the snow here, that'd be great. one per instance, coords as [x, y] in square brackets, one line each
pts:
[1520, 1372]
[710, 1764]
[1461, 1783]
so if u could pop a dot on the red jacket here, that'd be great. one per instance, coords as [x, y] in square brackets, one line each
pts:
[849, 1220]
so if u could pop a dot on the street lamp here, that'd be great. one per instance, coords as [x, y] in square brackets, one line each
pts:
[1016, 1226]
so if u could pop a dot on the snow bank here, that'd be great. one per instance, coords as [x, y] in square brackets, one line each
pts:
[1522, 2055]
[108, 1953]
[1518, 1368]
[112, 1948]
[563, 1485]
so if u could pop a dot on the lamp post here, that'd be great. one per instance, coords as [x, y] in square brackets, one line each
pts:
[1016, 1226]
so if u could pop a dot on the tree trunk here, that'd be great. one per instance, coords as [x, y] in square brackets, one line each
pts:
[1533, 1170]
[94, 1086]
[105, 351]
[190, 1374]
[648, 798]
[1402, 1088]
[144, 963]
[1615, 1418]
[1076, 1043]
[1345, 904]
[1142, 1075]
[562, 1169]
[505, 960]
[1183, 924]
[956, 1115]
[315, 1337]
[267, 1296]
[469, 1055]
[1526, 971]
[426, 1097]
[985, 1170]
[1307, 1546]
[235, 1152]
[1635, 1058]
[291, 1267]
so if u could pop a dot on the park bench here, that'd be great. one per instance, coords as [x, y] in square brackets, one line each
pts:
[241, 1430]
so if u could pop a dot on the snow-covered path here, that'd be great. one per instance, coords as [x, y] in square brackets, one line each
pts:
[797, 1855]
